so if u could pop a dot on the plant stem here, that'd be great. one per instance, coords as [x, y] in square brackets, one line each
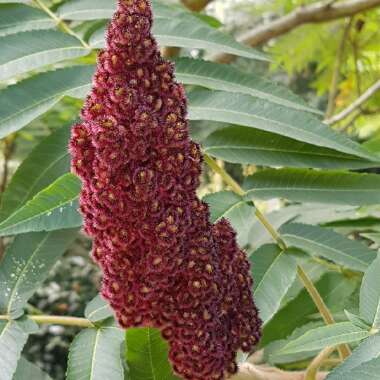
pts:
[60, 23]
[56, 320]
[313, 368]
[308, 284]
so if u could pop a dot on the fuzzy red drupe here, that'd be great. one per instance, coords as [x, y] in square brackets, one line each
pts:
[164, 264]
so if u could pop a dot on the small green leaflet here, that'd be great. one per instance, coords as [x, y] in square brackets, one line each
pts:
[245, 110]
[50, 209]
[273, 271]
[217, 76]
[245, 145]
[46, 163]
[18, 108]
[325, 242]
[147, 355]
[23, 52]
[95, 354]
[19, 18]
[98, 309]
[303, 185]
[326, 336]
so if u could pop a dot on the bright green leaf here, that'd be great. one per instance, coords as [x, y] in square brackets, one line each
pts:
[98, 309]
[19, 18]
[303, 185]
[50, 209]
[370, 295]
[95, 354]
[325, 242]
[47, 162]
[257, 113]
[322, 337]
[273, 271]
[251, 146]
[18, 108]
[26, 264]
[147, 355]
[23, 52]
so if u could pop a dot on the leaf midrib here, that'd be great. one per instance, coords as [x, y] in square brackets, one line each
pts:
[94, 353]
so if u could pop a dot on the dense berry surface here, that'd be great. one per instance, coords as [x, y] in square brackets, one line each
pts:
[164, 264]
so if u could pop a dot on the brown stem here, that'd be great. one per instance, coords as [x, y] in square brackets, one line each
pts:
[355, 105]
[312, 13]
[196, 5]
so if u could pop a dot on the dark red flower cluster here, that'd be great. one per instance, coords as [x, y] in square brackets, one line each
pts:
[165, 265]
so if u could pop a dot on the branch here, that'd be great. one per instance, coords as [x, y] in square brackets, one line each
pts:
[355, 105]
[56, 320]
[312, 13]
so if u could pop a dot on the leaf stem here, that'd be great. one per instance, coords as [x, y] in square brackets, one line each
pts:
[313, 368]
[56, 320]
[60, 23]
[344, 350]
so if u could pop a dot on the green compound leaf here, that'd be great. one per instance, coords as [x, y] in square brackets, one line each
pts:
[303, 185]
[95, 354]
[274, 271]
[20, 18]
[26, 264]
[329, 244]
[245, 145]
[52, 208]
